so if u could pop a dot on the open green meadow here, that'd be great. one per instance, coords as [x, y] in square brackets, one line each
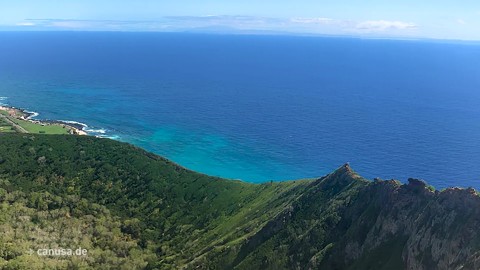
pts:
[41, 128]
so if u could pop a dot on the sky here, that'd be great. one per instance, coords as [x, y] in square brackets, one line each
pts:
[438, 19]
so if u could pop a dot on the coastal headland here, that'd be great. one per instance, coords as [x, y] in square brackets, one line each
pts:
[15, 120]
[143, 211]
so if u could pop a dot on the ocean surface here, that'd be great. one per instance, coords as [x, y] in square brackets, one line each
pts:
[261, 108]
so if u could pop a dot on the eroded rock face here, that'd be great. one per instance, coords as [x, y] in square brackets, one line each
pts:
[345, 222]
[429, 230]
[439, 227]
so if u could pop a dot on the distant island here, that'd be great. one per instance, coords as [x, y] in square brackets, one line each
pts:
[18, 120]
[131, 209]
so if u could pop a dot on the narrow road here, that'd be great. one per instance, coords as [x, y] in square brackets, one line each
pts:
[14, 125]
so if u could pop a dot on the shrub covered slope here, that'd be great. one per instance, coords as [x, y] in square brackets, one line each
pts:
[134, 210]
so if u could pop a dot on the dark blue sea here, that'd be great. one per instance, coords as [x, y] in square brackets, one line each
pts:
[261, 108]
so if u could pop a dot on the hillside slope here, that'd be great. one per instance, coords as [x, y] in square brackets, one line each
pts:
[135, 210]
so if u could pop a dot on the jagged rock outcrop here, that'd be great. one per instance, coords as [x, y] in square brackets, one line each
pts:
[342, 221]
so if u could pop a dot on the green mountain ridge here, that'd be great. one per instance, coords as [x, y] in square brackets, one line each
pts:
[135, 210]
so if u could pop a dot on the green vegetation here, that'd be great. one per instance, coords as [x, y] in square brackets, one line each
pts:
[5, 127]
[134, 210]
[41, 220]
[172, 211]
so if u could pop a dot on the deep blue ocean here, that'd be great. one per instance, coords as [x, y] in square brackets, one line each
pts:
[258, 108]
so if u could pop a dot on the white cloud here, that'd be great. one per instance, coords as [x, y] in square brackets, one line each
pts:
[104, 25]
[461, 21]
[25, 24]
[312, 20]
[221, 23]
[70, 24]
[382, 25]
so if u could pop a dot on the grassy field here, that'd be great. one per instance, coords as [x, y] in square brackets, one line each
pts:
[38, 128]
[5, 127]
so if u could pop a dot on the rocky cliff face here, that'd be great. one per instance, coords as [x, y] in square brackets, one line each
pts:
[345, 222]
[416, 227]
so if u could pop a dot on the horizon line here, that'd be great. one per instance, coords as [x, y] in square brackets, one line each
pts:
[247, 32]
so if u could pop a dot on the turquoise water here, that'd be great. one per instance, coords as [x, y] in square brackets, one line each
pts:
[260, 108]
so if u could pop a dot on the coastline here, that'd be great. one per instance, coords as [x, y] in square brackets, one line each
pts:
[12, 113]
